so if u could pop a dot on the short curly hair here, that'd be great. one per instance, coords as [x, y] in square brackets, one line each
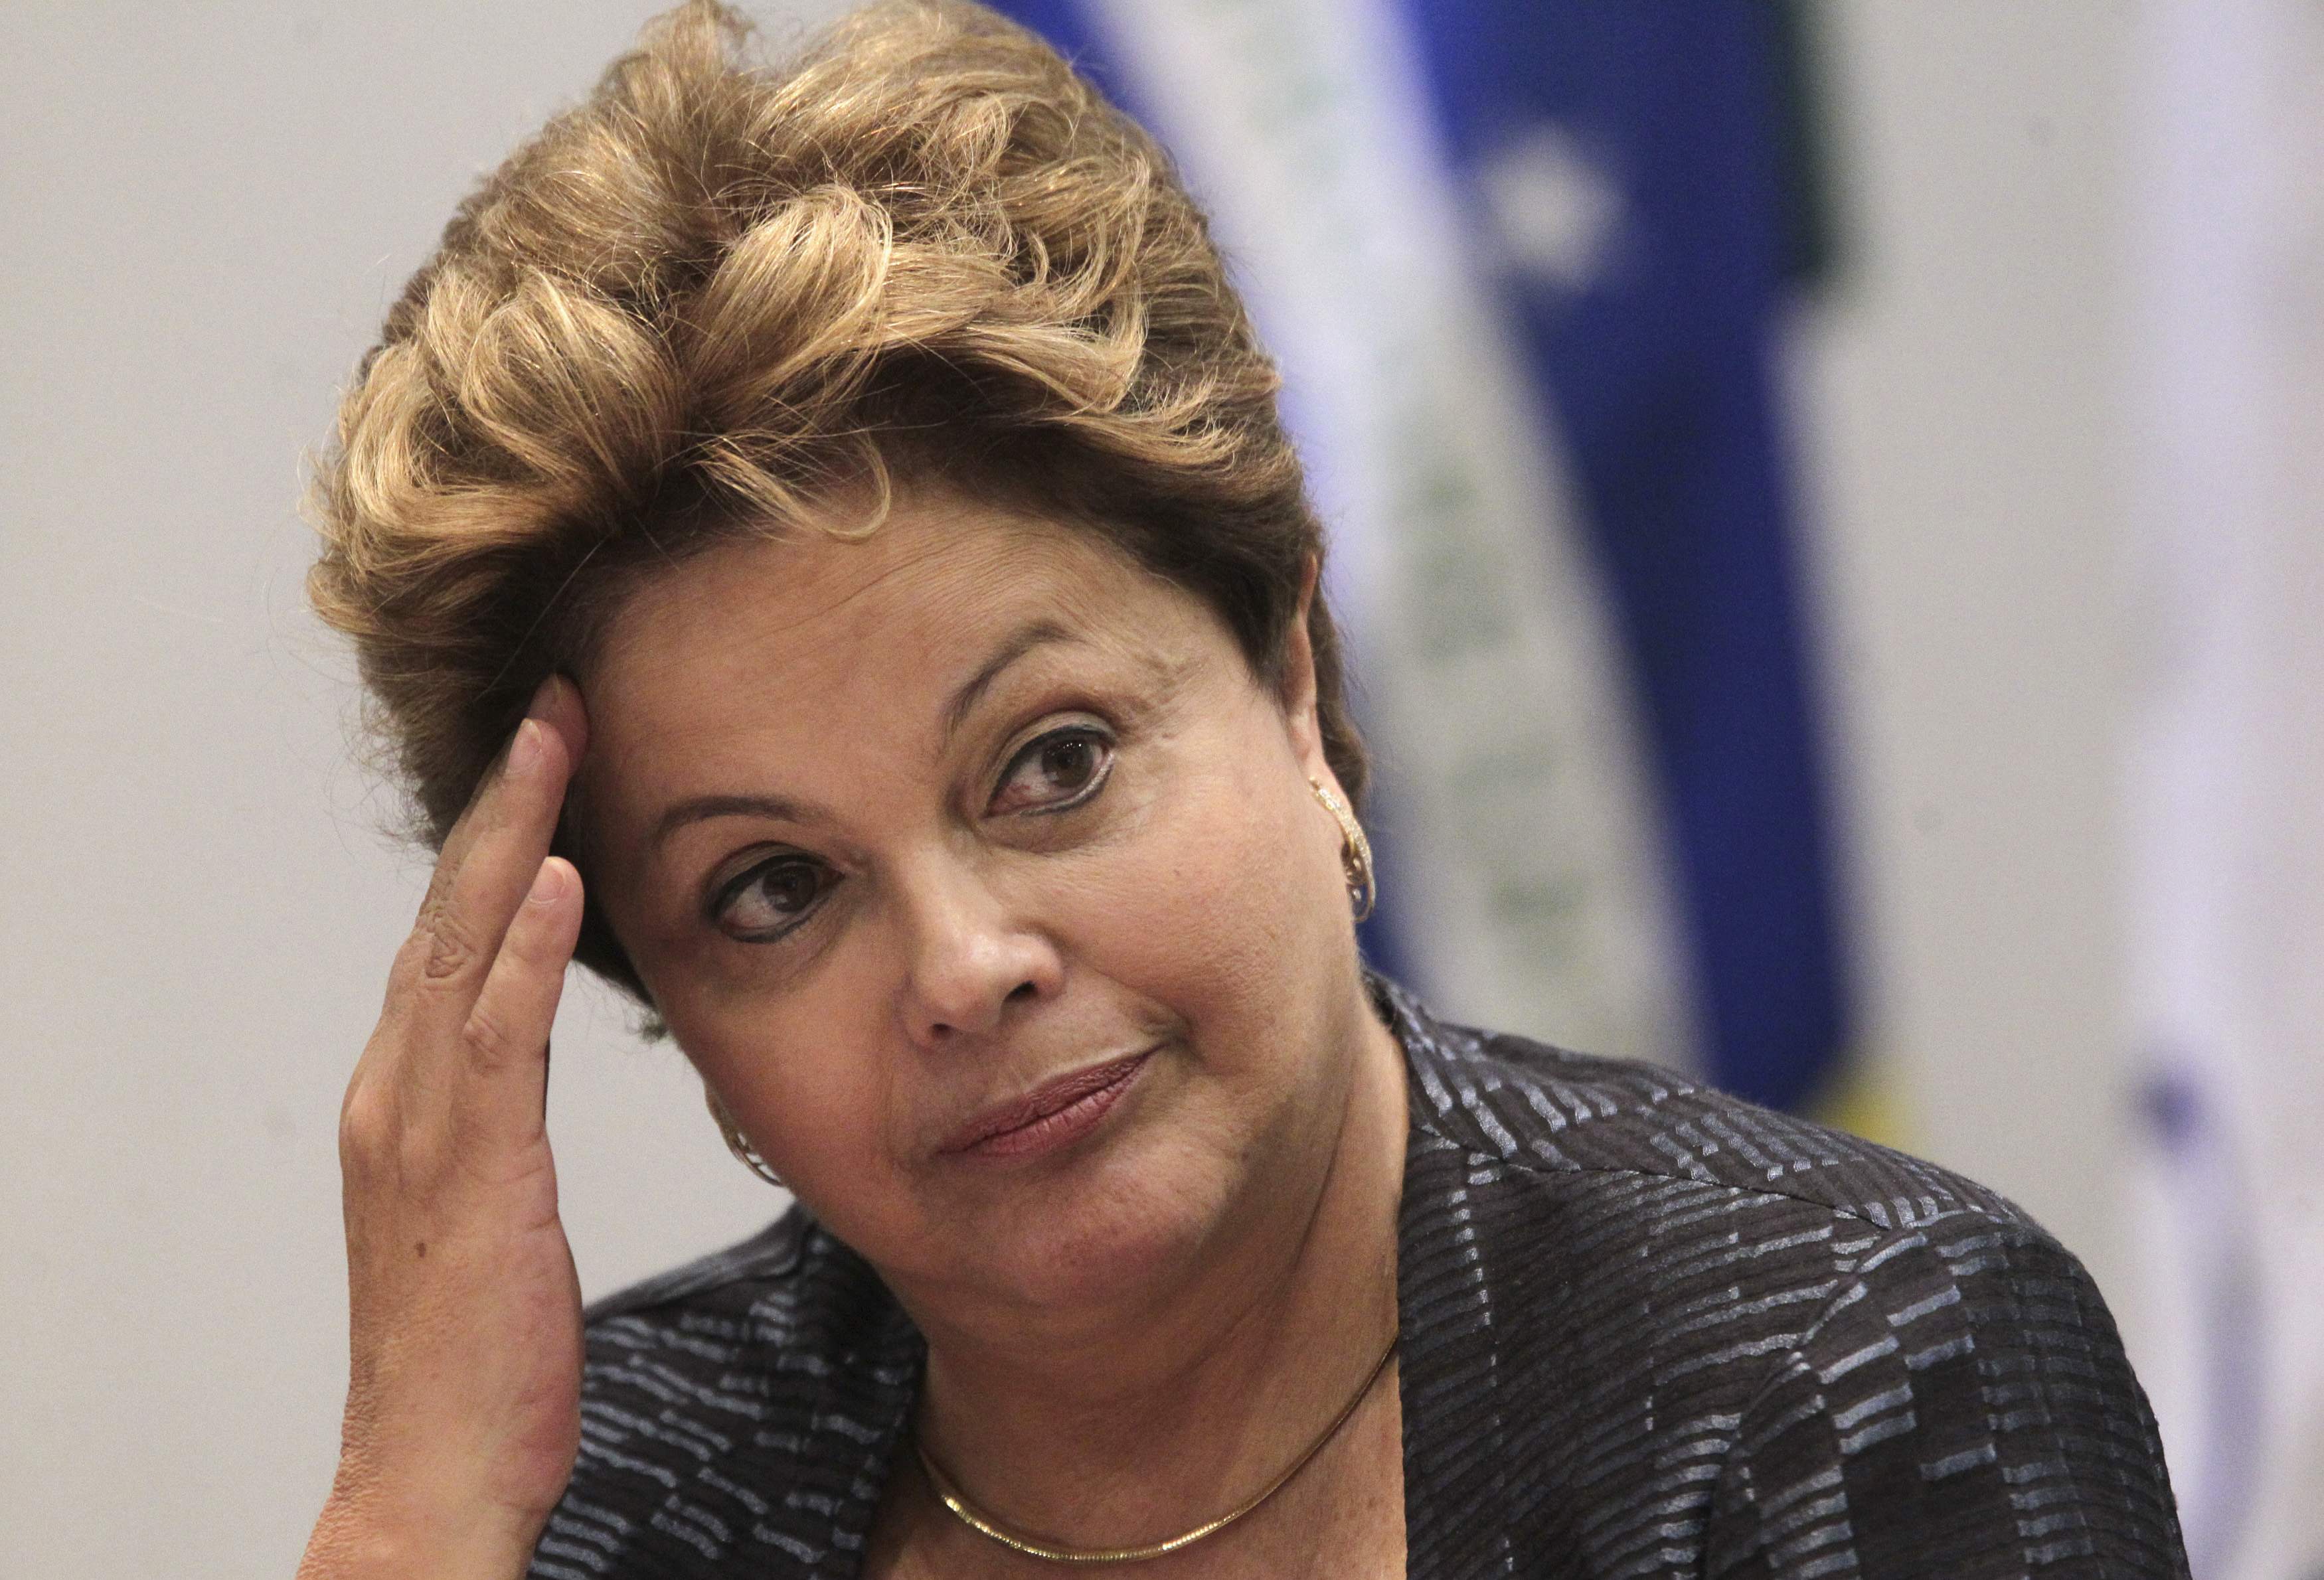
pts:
[719, 298]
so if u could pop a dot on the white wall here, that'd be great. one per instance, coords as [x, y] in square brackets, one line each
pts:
[210, 206]
[1958, 398]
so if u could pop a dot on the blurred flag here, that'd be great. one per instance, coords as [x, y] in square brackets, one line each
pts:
[2225, 776]
[1521, 260]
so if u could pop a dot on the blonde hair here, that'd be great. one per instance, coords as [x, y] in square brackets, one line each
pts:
[719, 297]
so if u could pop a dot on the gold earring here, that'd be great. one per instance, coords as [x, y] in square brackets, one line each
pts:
[1355, 852]
[737, 1142]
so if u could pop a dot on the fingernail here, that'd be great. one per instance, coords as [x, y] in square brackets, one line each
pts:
[525, 750]
[546, 883]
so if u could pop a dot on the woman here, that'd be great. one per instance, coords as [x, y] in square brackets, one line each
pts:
[864, 488]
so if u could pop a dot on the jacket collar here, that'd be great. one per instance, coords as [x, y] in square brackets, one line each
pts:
[1455, 1464]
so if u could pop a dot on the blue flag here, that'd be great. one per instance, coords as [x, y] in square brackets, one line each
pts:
[1651, 333]
[1614, 179]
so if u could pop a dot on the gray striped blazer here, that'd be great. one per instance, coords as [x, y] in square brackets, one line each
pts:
[1648, 1331]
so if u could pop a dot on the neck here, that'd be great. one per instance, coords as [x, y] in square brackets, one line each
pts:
[1176, 1402]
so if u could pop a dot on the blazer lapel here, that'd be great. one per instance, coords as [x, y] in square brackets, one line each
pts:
[1456, 1466]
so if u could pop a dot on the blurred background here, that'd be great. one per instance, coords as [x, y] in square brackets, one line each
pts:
[1829, 501]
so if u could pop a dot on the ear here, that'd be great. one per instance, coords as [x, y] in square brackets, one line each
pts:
[1298, 684]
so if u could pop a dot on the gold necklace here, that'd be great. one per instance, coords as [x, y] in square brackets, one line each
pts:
[985, 1525]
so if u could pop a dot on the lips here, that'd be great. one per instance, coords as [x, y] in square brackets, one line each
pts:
[1051, 1114]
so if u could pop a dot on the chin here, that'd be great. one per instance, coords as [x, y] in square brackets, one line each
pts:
[1104, 1259]
[1121, 1223]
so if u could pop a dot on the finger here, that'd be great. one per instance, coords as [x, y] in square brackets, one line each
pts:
[504, 1041]
[556, 702]
[478, 888]
[492, 854]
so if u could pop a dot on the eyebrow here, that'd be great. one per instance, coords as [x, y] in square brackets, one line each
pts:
[702, 808]
[1034, 634]
[698, 809]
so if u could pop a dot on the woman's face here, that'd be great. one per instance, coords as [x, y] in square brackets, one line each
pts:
[981, 878]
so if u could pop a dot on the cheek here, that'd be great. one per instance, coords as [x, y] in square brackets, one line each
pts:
[809, 1071]
[1220, 898]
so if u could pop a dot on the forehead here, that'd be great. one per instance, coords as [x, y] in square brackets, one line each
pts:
[809, 636]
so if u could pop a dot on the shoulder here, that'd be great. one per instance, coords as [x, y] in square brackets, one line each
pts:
[790, 1299]
[1962, 1406]
[739, 1409]
[1543, 1111]
[766, 1259]
[1850, 1353]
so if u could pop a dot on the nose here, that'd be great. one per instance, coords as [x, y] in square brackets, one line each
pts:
[972, 960]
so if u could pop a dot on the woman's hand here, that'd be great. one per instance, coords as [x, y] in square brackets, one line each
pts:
[463, 1412]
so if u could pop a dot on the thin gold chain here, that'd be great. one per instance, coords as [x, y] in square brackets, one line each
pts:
[985, 1525]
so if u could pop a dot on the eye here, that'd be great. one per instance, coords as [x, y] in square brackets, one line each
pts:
[1055, 771]
[762, 904]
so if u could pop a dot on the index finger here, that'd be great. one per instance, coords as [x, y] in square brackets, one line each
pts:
[493, 854]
